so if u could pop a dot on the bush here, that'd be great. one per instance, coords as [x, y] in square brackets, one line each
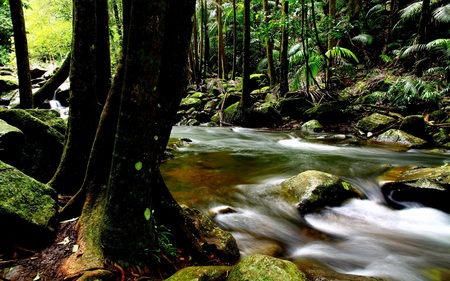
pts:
[6, 31]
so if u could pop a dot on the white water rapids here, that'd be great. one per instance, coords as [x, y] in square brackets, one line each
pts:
[235, 167]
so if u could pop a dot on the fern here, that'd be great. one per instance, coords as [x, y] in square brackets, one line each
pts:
[442, 14]
[340, 52]
[365, 39]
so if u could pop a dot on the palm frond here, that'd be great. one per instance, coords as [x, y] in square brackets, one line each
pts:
[413, 49]
[365, 39]
[375, 10]
[442, 14]
[340, 52]
[411, 11]
[295, 49]
[441, 43]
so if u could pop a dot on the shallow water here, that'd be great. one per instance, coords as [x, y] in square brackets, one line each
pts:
[236, 167]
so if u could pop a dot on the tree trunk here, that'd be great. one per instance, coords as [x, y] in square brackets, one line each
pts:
[221, 50]
[284, 84]
[245, 99]
[233, 68]
[21, 45]
[103, 57]
[84, 107]
[47, 91]
[269, 46]
[118, 219]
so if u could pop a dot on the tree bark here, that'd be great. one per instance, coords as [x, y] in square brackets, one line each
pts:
[21, 46]
[221, 73]
[269, 47]
[284, 84]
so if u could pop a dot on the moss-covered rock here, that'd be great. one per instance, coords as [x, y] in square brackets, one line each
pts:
[8, 83]
[414, 125]
[201, 273]
[12, 141]
[190, 102]
[430, 187]
[313, 190]
[44, 140]
[312, 125]
[265, 268]
[374, 122]
[215, 240]
[27, 208]
[395, 136]
[326, 113]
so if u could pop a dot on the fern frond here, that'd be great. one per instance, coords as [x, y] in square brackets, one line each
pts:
[413, 49]
[440, 44]
[295, 49]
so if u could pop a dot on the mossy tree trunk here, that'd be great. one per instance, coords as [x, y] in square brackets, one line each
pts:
[284, 67]
[89, 84]
[21, 45]
[123, 179]
[269, 45]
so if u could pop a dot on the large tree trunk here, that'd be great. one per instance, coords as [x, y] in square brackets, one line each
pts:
[245, 100]
[269, 46]
[221, 73]
[84, 104]
[21, 45]
[124, 203]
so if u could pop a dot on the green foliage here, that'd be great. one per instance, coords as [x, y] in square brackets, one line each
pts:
[6, 32]
[410, 90]
[49, 29]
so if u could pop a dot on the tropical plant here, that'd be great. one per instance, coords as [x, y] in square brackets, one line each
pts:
[6, 32]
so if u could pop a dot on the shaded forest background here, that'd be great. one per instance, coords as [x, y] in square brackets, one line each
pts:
[315, 47]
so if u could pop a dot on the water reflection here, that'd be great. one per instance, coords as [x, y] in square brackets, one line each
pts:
[237, 167]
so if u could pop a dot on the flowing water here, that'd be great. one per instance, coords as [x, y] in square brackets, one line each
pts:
[235, 167]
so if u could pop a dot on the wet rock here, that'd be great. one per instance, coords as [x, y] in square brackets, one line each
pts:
[313, 125]
[415, 186]
[315, 271]
[8, 83]
[313, 190]
[374, 122]
[190, 102]
[29, 208]
[326, 113]
[44, 140]
[399, 137]
[201, 273]
[12, 141]
[215, 240]
[260, 267]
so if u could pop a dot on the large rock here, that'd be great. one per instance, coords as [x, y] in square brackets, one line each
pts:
[27, 209]
[44, 140]
[327, 113]
[265, 268]
[313, 190]
[395, 136]
[414, 125]
[406, 186]
[258, 116]
[215, 240]
[8, 83]
[12, 141]
[201, 273]
[374, 122]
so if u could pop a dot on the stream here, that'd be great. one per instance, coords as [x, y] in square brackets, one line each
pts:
[228, 166]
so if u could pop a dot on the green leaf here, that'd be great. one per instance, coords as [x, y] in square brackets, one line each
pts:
[75, 248]
[138, 165]
[38, 276]
[147, 214]
[345, 185]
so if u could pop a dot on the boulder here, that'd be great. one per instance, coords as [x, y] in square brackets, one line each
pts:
[28, 209]
[44, 140]
[414, 125]
[201, 273]
[190, 102]
[374, 122]
[12, 141]
[214, 239]
[8, 83]
[326, 113]
[313, 190]
[294, 107]
[312, 125]
[415, 186]
[258, 116]
[395, 136]
[258, 267]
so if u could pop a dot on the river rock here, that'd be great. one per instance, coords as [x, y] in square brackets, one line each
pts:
[44, 140]
[12, 141]
[414, 125]
[313, 190]
[260, 267]
[327, 113]
[312, 125]
[412, 186]
[221, 242]
[8, 83]
[395, 136]
[374, 122]
[27, 209]
[201, 273]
